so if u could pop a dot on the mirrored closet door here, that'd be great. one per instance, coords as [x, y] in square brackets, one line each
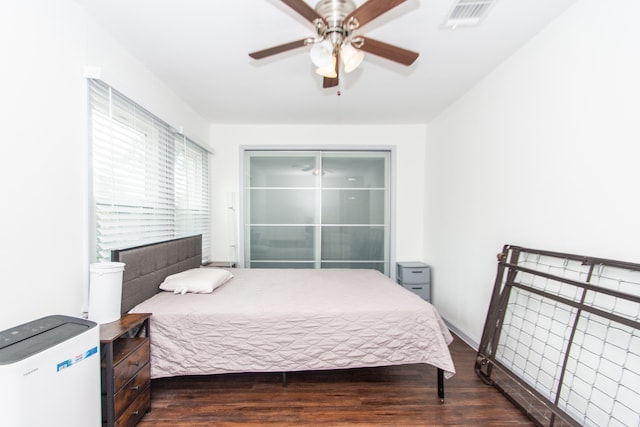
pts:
[320, 209]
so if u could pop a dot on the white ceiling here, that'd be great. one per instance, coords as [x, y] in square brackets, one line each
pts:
[200, 49]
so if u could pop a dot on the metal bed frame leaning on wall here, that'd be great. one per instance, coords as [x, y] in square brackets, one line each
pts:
[562, 338]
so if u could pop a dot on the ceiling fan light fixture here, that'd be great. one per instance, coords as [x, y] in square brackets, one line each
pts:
[322, 53]
[351, 57]
[328, 71]
[334, 22]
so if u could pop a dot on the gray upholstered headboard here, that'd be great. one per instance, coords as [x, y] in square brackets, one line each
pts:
[147, 266]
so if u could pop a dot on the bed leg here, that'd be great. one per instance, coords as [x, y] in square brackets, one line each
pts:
[284, 379]
[441, 385]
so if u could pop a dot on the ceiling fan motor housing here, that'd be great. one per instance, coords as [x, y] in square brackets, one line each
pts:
[334, 11]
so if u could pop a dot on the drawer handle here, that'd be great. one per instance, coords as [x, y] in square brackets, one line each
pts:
[417, 271]
[135, 412]
[136, 363]
[416, 288]
[135, 387]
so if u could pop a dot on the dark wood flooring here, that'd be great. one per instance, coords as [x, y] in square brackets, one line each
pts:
[388, 396]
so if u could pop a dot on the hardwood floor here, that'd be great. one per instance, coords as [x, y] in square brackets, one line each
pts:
[387, 396]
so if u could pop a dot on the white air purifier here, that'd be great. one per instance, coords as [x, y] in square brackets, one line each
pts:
[50, 373]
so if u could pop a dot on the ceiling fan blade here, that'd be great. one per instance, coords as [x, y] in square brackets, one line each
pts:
[328, 82]
[388, 51]
[303, 9]
[278, 49]
[371, 9]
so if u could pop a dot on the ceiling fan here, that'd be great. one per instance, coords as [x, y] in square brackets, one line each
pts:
[335, 21]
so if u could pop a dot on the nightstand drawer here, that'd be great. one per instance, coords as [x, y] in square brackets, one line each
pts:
[136, 410]
[424, 291]
[415, 275]
[136, 352]
[132, 390]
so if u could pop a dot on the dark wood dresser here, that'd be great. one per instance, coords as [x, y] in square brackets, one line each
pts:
[126, 373]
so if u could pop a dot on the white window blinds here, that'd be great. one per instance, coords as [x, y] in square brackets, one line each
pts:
[191, 189]
[150, 183]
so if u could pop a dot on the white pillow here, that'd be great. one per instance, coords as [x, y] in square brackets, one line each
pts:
[197, 280]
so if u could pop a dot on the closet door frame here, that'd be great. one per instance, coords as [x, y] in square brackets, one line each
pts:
[390, 209]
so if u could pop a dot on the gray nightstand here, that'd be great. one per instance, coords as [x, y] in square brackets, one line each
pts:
[416, 277]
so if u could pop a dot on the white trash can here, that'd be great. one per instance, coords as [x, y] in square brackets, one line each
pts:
[105, 291]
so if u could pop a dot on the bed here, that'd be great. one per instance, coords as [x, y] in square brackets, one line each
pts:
[278, 320]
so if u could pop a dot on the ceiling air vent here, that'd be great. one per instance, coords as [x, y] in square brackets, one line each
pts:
[466, 13]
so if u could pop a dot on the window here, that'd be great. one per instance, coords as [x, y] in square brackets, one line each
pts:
[150, 183]
[317, 209]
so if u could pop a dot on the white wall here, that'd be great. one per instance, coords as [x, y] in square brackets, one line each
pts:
[45, 47]
[542, 153]
[409, 142]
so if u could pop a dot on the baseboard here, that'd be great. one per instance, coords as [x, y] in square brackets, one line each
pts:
[464, 337]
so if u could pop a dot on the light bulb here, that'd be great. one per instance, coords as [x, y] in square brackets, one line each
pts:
[328, 71]
[351, 57]
[322, 53]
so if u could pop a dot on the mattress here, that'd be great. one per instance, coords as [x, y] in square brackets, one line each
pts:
[283, 320]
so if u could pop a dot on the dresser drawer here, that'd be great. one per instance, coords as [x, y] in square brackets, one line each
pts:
[414, 275]
[132, 390]
[135, 356]
[136, 410]
[424, 291]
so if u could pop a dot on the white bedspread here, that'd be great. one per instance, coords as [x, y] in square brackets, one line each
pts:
[282, 320]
